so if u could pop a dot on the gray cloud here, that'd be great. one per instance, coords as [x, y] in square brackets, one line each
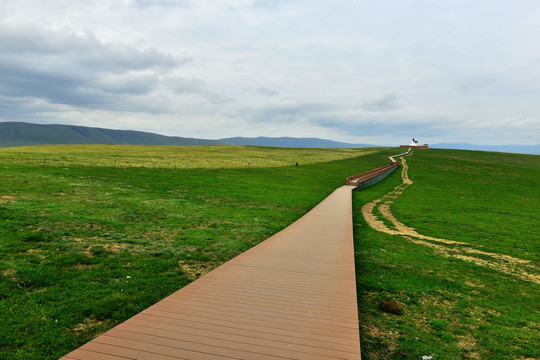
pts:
[22, 82]
[346, 70]
[79, 51]
[198, 87]
[374, 126]
[266, 91]
[133, 84]
[386, 102]
[280, 114]
[181, 85]
[18, 109]
[76, 69]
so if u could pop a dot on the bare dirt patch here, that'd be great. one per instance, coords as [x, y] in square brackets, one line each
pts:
[194, 271]
[474, 285]
[87, 324]
[8, 272]
[468, 344]
[389, 338]
[7, 199]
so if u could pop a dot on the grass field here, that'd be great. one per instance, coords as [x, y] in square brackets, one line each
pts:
[85, 246]
[471, 292]
[171, 157]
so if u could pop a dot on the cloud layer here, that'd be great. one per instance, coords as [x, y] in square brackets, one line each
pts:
[370, 72]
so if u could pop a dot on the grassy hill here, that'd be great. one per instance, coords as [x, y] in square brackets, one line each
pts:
[471, 289]
[88, 243]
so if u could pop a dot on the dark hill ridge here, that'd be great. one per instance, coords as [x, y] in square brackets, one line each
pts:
[25, 134]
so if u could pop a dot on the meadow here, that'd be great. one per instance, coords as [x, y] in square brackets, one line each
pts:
[469, 291]
[85, 246]
[170, 157]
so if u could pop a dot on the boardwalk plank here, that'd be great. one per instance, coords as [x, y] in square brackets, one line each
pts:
[237, 336]
[265, 332]
[292, 296]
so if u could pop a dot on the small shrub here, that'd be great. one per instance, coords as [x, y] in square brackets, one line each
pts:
[391, 306]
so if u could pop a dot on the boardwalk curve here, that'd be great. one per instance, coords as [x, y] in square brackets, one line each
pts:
[292, 296]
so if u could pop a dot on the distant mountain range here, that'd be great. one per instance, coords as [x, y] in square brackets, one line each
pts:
[289, 142]
[520, 149]
[25, 134]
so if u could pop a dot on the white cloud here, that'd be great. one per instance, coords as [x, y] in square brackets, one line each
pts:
[144, 4]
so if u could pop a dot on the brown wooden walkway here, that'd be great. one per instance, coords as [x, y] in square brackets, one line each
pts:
[292, 296]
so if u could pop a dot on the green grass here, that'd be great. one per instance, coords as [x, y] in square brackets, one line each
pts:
[86, 247]
[453, 309]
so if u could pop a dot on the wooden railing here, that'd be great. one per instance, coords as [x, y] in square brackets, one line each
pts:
[362, 181]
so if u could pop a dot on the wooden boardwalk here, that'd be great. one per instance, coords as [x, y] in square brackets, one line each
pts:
[292, 296]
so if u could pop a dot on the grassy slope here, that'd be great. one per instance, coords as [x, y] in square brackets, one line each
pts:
[84, 248]
[453, 309]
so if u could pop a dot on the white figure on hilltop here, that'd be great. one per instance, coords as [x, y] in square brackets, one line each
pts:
[414, 142]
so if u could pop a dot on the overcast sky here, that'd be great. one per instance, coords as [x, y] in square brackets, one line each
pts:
[378, 72]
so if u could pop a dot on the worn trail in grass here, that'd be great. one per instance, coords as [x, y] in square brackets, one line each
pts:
[477, 205]
[501, 262]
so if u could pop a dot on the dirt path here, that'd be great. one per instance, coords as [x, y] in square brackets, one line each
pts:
[451, 248]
